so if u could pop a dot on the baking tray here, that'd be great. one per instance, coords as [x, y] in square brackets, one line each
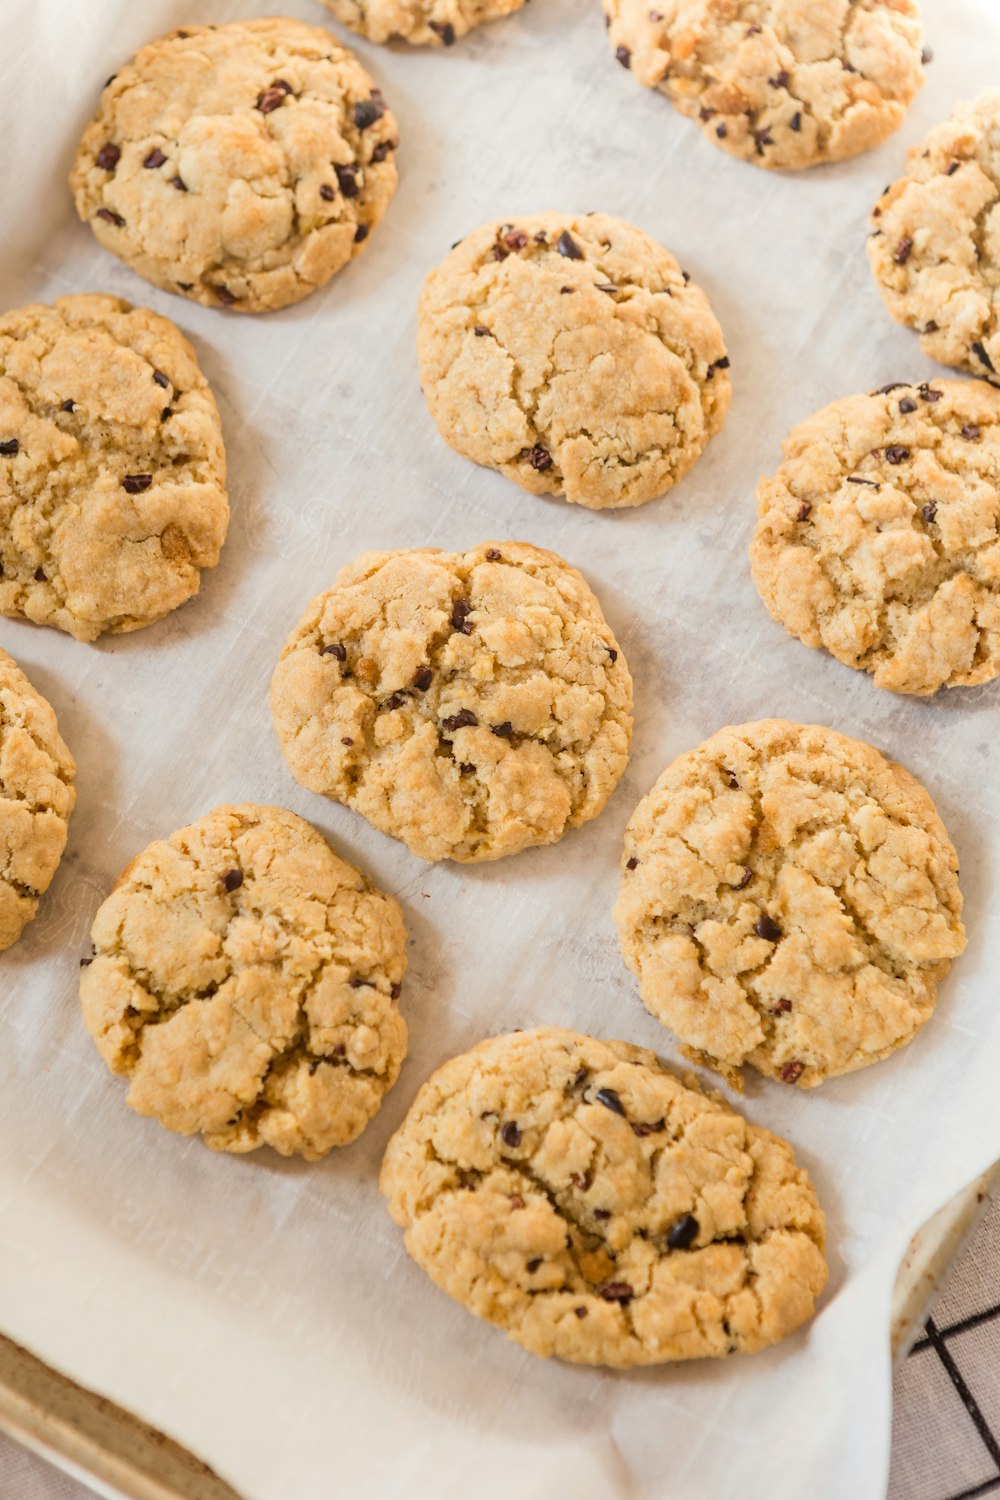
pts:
[108, 1448]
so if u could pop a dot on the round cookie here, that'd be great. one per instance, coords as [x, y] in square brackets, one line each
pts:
[790, 900]
[472, 704]
[878, 536]
[578, 1195]
[112, 469]
[36, 799]
[239, 165]
[574, 355]
[434, 23]
[780, 83]
[245, 980]
[935, 246]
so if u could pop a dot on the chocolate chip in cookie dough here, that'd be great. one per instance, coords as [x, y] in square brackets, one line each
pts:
[9, 447]
[134, 484]
[231, 880]
[624, 56]
[394, 701]
[781, 79]
[804, 511]
[225, 296]
[762, 138]
[466, 769]
[480, 331]
[581, 1312]
[611, 1101]
[108, 157]
[631, 864]
[445, 30]
[781, 1008]
[897, 455]
[567, 246]
[464, 719]
[617, 1291]
[347, 176]
[422, 679]
[903, 250]
[367, 111]
[683, 1234]
[540, 458]
[721, 131]
[335, 649]
[40, 576]
[792, 1071]
[972, 432]
[460, 613]
[643, 1128]
[870, 483]
[493, 555]
[361, 233]
[503, 731]
[181, 186]
[929, 511]
[907, 405]
[273, 97]
[767, 928]
[744, 880]
[161, 379]
[510, 1134]
[979, 350]
[327, 193]
[155, 158]
[110, 217]
[927, 393]
[795, 123]
[68, 406]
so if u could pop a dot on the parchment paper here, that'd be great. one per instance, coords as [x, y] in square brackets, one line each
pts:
[263, 1312]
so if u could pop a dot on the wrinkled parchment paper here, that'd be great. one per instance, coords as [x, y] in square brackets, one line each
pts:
[265, 1313]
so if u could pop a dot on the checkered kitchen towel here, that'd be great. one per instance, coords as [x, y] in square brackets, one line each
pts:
[946, 1440]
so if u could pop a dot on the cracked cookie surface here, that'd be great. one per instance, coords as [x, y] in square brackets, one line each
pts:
[472, 704]
[574, 355]
[112, 468]
[578, 1195]
[879, 536]
[790, 900]
[36, 799]
[935, 246]
[240, 165]
[432, 23]
[780, 83]
[245, 980]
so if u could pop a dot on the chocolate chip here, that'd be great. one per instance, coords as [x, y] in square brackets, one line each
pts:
[422, 679]
[510, 1134]
[886, 390]
[327, 193]
[503, 731]
[348, 180]
[796, 121]
[225, 296]
[361, 233]
[516, 1201]
[927, 394]
[466, 768]
[683, 1234]
[86, 962]
[445, 31]
[367, 111]
[460, 613]
[514, 239]
[762, 138]
[334, 649]
[804, 511]
[643, 1129]
[731, 779]
[929, 511]
[480, 331]
[394, 701]
[926, 56]
[610, 1100]
[767, 928]
[972, 432]
[566, 245]
[109, 217]
[464, 719]
[617, 1291]
[346, 740]
[497, 253]
[612, 653]
[780, 80]
[745, 879]
[720, 364]
[381, 151]
[792, 1071]
[580, 1077]
[68, 406]
[108, 157]
[907, 405]
[721, 131]
[181, 186]
[493, 555]
[606, 286]
[853, 479]
[602, 1213]
[231, 880]
[624, 56]
[953, 169]
[979, 350]
[705, 114]
[272, 98]
[161, 379]
[166, 413]
[185, 286]
[896, 454]
[362, 984]
[581, 1312]
[134, 484]
[782, 1008]
[902, 252]
[631, 864]
[40, 576]
[930, 327]
[9, 447]
[155, 158]
[395, 992]
[533, 1265]
[540, 458]
[754, 30]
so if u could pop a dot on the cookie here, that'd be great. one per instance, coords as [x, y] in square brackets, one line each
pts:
[935, 245]
[578, 1195]
[575, 356]
[433, 23]
[780, 83]
[36, 799]
[244, 979]
[790, 900]
[239, 165]
[877, 537]
[112, 469]
[472, 704]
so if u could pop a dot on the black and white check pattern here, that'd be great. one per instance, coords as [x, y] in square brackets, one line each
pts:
[946, 1436]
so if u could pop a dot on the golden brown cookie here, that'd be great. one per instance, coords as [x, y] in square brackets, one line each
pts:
[578, 1195]
[238, 165]
[112, 469]
[245, 980]
[435, 23]
[879, 536]
[472, 704]
[780, 83]
[36, 799]
[935, 242]
[789, 899]
[574, 355]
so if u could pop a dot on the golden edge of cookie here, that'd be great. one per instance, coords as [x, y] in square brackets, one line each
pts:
[414, 29]
[908, 790]
[499, 1249]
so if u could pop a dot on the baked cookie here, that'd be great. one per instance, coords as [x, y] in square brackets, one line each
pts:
[780, 83]
[935, 246]
[432, 23]
[36, 799]
[240, 165]
[582, 1198]
[245, 980]
[789, 899]
[878, 536]
[574, 355]
[112, 469]
[472, 704]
